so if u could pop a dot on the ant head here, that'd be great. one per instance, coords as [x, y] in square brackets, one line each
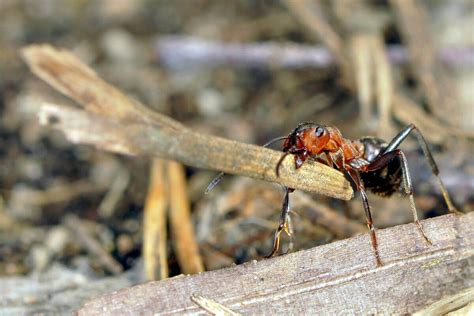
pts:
[310, 137]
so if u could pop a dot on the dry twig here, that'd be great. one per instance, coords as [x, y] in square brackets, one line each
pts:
[116, 123]
[154, 224]
[337, 278]
[184, 238]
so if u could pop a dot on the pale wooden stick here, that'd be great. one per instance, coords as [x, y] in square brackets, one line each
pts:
[193, 149]
[114, 122]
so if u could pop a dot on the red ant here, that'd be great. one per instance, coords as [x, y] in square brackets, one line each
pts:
[369, 162]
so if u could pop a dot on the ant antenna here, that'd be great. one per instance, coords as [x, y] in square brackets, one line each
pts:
[274, 141]
[221, 175]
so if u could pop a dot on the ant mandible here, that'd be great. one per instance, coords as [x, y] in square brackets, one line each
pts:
[369, 162]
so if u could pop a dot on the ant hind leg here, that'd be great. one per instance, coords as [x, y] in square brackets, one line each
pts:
[397, 140]
[381, 162]
[370, 225]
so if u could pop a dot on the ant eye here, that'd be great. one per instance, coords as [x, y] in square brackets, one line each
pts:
[319, 131]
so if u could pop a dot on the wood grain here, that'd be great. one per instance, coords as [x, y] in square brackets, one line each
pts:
[340, 277]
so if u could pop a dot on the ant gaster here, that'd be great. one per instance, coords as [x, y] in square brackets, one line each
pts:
[369, 162]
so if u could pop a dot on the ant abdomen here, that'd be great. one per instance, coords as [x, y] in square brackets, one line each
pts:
[387, 180]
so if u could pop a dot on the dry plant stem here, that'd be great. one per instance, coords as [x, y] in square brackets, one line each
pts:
[184, 238]
[340, 277]
[372, 69]
[385, 86]
[125, 126]
[438, 88]
[154, 224]
[361, 53]
[311, 14]
[92, 245]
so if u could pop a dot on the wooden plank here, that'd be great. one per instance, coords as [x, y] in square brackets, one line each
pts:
[340, 277]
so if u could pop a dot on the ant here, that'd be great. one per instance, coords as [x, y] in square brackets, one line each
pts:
[371, 163]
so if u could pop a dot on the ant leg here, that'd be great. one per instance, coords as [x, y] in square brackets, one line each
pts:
[285, 224]
[371, 227]
[277, 167]
[360, 187]
[381, 162]
[300, 157]
[290, 234]
[396, 141]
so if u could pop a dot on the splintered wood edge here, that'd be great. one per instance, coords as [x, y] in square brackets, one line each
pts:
[341, 276]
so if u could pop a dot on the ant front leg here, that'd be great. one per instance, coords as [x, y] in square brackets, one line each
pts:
[354, 175]
[300, 159]
[284, 225]
[385, 159]
[397, 140]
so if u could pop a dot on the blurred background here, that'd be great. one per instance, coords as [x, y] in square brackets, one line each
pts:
[71, 217]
